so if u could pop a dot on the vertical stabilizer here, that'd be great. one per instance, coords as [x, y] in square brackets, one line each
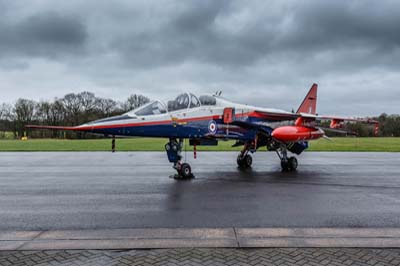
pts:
[309, 104]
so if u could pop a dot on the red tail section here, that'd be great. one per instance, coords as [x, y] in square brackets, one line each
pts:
[309, 104]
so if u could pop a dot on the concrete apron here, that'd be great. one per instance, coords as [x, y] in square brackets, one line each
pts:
[200, 238]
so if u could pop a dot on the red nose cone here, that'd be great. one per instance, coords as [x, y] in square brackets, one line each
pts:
[295, 133]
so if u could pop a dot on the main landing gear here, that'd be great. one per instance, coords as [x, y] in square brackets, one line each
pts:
[174, 149]
[287, 164]
[244, 159]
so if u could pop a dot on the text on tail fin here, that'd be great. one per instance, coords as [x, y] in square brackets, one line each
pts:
[309, 104]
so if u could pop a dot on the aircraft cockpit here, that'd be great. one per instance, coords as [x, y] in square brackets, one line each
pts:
[153, 108]
[189, 100]
[207, 100]
[183, 101]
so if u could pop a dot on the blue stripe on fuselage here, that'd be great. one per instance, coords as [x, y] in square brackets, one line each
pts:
[191, 129]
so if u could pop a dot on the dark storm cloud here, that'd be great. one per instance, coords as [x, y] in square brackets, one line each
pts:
[358, 31]
[193, 33]
[188, 34]
[42, 34]
[326, 24]
[259, 52]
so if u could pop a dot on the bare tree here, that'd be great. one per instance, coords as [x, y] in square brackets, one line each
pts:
[6, 118]
[134, 101]
[106, 107]
[73, 108]
[7, 112]
[88, 101]
[57, 113]
[24, 114]
[43, 111]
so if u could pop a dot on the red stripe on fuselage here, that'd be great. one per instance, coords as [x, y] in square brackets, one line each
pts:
[254, 114]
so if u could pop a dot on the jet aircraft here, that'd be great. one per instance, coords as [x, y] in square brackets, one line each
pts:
[207, 119]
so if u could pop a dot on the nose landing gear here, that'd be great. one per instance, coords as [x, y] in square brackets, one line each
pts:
[184, 171]
[174, 149]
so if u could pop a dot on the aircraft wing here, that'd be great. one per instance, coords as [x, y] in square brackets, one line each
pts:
[350, 119]
[310, 117]
[261, 128]
[55, 127]
[276, 116]
[337, 122]
[307, 119]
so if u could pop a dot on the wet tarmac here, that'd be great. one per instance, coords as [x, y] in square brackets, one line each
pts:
[98, 190]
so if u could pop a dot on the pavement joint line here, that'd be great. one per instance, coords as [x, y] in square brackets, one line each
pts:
[16, 235]
[40, 233]
[33, 239]
[236, 236]
[21, 246]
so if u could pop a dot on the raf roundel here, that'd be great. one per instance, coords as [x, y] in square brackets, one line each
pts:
[212, 127]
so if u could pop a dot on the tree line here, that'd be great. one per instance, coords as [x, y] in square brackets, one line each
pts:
[78, 108]
[71, 110]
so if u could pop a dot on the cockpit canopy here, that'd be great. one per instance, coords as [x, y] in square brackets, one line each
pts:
[183, 101]
[207, 100]
[153, 108]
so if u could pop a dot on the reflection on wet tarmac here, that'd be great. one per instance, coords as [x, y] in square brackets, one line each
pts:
[125, 190]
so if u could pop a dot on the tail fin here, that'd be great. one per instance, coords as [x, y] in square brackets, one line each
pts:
[309, 104]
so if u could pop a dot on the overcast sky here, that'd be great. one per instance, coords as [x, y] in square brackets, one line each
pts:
[265, 53]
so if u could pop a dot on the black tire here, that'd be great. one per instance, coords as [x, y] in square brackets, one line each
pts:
[285, 166]
[247, 161]
[293, 163]
[185, 171]
[240, 161]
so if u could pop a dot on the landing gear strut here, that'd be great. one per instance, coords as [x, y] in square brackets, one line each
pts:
[287, 164]
[174, 149]
[244, 159]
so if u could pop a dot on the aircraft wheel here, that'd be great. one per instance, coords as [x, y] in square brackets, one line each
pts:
[240, 161]
[245, 162]
[293, 163]
[285, 166]
[186, 171]
[248, 161]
